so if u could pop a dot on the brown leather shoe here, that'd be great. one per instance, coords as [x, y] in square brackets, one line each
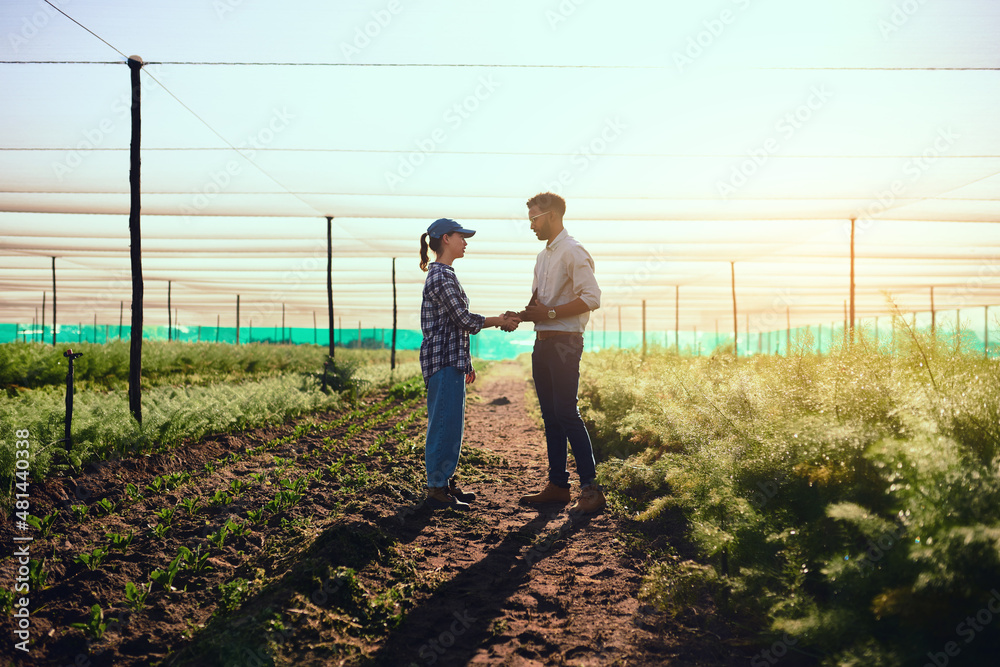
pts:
[591, 500]
[438, 498]
[550, 494]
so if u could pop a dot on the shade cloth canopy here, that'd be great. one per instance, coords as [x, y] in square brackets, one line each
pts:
[684, 136]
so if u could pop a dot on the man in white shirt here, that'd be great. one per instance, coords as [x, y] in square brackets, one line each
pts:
[564, 291]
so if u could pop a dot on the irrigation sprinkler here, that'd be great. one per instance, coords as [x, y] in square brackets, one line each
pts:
[72, 356]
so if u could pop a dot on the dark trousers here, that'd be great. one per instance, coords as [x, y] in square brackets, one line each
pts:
[555, 368]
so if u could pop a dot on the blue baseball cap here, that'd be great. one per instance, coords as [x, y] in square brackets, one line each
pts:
[443, 226]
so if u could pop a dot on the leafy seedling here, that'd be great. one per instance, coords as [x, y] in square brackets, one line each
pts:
[43, 525]
[94, 559]
[95, 625]
[135, 596]
[120, 542]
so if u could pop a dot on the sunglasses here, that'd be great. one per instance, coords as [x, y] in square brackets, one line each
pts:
[532, 217]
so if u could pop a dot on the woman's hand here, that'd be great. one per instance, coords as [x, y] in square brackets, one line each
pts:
[510, 321]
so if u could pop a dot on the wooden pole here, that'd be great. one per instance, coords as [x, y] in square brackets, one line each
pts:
[852, 283]
[237, 319]
[53, 302]
[170, 326]
[736, 331]
[392, 364]
[135, 247]
[329, 279]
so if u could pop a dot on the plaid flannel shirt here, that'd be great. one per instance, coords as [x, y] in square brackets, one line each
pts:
[446, 322]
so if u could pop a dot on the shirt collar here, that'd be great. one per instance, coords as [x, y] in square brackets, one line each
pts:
[559, 237]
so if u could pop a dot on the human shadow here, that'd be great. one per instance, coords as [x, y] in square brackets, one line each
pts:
[450, 626]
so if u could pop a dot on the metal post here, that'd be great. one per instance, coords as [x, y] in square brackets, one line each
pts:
[329, 280]
[747, 318]
[736, 330]
[677, 317]
[619, 327]
[170, 326]
[852, 283]
[53, 301]
[845, 322]
[392, 357]
[788, 331]
[237, 319]
[933, 315]
[643, 327]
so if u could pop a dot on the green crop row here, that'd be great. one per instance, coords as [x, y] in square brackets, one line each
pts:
[103, 427]
[848, 504]
[106, 366]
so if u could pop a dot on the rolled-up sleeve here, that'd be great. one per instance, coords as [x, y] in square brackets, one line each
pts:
[584, 281]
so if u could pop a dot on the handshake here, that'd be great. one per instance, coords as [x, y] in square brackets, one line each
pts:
[536, 311]
[508, 321]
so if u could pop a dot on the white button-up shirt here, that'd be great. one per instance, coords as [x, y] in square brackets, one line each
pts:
[564, 271]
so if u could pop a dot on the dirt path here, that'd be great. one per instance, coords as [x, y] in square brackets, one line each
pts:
[531, 587]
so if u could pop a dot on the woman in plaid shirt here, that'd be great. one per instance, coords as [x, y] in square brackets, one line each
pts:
[445, 360]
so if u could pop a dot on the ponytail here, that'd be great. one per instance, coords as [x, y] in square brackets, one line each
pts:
[425, 243]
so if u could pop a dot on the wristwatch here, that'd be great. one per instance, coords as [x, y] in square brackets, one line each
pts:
[552, 313]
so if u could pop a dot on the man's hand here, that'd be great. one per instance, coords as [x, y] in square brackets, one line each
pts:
[470, 377]
[536, 312]
[511, 320]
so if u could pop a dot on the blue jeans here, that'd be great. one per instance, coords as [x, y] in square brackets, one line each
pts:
[555, 368]
[445, 424]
